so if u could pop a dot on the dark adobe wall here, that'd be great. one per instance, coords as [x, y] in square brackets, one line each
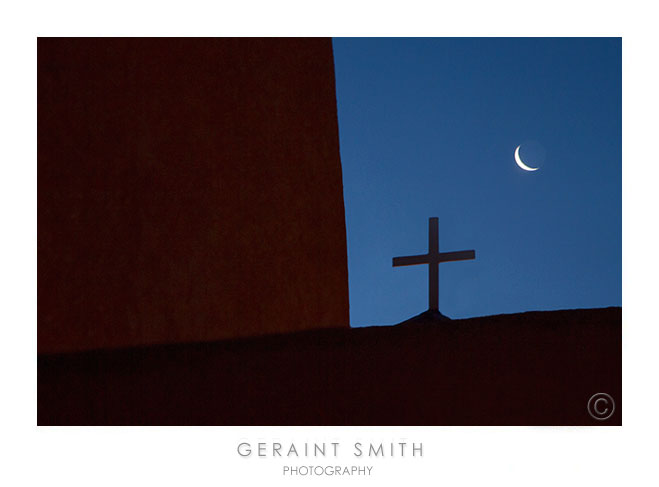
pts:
[537, 368]
[188, 190]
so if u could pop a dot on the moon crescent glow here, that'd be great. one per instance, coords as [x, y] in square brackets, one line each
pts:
[521, 164]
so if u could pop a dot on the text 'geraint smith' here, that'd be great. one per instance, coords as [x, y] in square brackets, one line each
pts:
[357, 449]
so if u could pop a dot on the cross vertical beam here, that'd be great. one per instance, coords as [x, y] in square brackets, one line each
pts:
[433, 264]
[433, 258]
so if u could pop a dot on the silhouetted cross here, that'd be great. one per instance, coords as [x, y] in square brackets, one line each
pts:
[433, 258]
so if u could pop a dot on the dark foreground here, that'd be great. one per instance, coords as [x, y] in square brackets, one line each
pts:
[536, 368]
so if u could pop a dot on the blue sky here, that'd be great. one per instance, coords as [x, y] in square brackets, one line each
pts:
[428, 127]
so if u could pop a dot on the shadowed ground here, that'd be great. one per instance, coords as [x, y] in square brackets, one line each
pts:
[537, 368]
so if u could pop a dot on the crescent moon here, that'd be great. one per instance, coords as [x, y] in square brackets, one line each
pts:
[521, 164]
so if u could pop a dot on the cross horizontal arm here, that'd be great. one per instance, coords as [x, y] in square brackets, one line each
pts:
[460, 255]
[410, 260]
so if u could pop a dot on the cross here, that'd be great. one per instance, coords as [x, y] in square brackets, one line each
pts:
[433, 258]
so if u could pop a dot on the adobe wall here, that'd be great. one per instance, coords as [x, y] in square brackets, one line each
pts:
[188, 190]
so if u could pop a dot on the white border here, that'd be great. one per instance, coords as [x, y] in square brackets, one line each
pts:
[205, 456]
